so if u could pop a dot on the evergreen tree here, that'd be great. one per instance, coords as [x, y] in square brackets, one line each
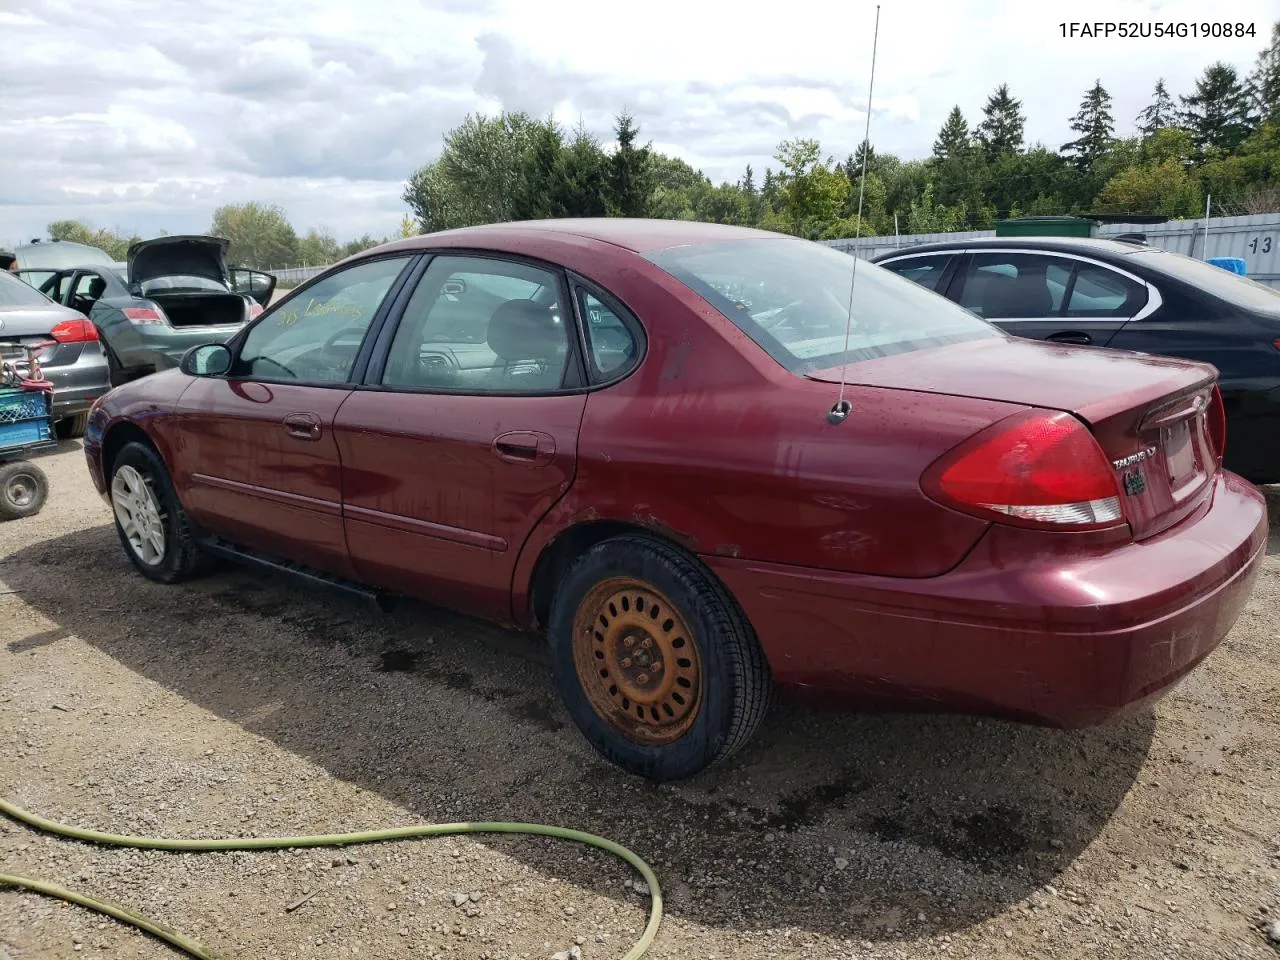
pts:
[630, 183]
[587, 173]
[865, 152]
[953, 139]
[1000, 132]
[1158, 114]
[1264, 82]
[1094, 124]
[1218, 114]
[544, 188]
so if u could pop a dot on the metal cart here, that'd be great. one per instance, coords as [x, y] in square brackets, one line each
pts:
[26, 426]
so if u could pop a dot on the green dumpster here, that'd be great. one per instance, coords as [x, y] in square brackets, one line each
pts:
[1047, 227]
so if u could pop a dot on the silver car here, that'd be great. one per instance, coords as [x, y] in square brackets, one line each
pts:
[74, 361]
[173, 293]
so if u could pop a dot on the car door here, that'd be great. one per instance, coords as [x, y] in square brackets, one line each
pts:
[465, 432]
[254, 284]
[257, 459]
[1049, 296]
[931, 270]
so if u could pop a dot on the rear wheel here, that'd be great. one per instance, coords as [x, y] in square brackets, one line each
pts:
[152, 525]
[656, 663]
[23, 490]
[72, 428]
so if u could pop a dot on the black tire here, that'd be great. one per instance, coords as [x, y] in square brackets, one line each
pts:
[182, 558]
[23, 490]
[72, 428]
[735, 683]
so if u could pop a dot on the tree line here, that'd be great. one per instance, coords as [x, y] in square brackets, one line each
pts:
[259, 235]
[1220, 141]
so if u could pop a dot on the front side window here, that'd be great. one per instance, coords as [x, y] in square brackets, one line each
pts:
[926, 271]
[480, 325]
[315, 336]
[792, 297]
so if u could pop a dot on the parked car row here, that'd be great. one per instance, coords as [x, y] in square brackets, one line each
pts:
[122, 320]
[1130, 296]
[676, 450]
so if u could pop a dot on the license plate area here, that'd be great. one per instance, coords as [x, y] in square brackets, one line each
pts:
[1180, 457]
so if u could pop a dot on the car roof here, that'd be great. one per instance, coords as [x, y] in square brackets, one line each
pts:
[634, 234]
[1097, 246]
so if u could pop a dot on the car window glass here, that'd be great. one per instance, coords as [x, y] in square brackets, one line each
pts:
[315, 336]
[1099, 292]
[15, 293]
[1014, 285]
[611, 346]
[926, 271]
[478, 325]
[793, 298]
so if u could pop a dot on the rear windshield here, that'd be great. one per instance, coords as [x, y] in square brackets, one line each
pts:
[18, 293]
[791, 297]
[1234, 289]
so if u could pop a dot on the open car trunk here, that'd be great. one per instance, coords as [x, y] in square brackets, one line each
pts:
[201, 309]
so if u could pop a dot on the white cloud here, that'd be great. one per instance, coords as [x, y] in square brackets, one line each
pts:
[146, 114]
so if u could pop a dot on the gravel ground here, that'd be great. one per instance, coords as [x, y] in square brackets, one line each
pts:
[245, 705]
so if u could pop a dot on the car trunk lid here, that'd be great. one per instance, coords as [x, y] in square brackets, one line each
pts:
[178, 256]
[1150, 415]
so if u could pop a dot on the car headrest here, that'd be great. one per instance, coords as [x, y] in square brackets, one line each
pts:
[96, 286]
[524, 330]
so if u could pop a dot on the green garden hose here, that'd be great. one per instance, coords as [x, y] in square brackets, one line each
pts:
[194, 949]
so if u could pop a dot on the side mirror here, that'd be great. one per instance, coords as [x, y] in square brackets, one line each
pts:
[206, 360]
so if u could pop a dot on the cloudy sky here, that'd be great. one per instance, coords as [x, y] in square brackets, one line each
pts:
[143, 115]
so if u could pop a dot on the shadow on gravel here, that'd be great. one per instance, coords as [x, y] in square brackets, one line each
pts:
[831, 823]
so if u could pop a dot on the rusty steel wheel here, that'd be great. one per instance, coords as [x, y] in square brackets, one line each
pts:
[637, 660]
[656, 662]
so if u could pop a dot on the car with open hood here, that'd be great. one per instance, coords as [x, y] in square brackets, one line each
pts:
[705, 461]
[173, 293]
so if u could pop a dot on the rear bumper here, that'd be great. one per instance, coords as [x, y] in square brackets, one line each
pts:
[1028, 626]
[77, 384]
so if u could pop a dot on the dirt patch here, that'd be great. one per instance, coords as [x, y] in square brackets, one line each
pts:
[241, 704]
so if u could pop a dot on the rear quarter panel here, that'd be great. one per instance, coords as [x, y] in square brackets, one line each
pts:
[710, 443]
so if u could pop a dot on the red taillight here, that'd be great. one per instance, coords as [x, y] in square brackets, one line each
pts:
[143, 315]
[74, 331]
[1216, 424]
[255, 308]
[1035, 469]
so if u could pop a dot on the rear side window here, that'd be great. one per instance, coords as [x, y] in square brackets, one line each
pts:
[1010, 286]
[18, 293]
[611, 346]
[792, 297]
[1102, 293]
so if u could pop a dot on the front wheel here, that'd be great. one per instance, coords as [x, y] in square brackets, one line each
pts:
[23, 490]
[656, 663]
[152, 525]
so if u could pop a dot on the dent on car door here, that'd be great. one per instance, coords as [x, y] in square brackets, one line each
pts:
[258, 461]
[465, 432]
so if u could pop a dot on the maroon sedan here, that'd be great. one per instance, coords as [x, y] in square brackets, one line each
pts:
[627, 434]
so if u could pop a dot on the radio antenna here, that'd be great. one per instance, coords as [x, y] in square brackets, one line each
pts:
[840, 410]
